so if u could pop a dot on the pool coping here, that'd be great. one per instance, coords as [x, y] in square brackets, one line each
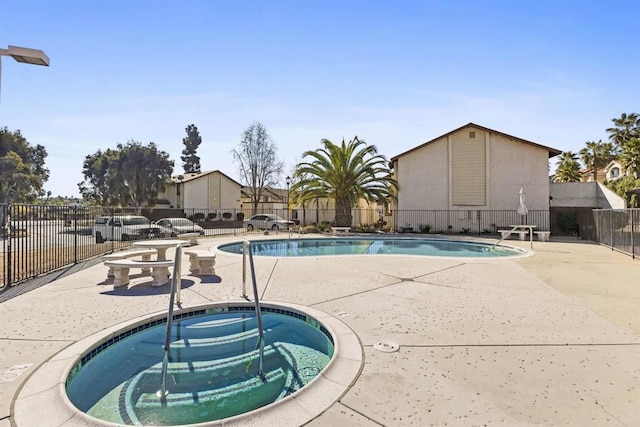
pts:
[43, 395]
[521, 252]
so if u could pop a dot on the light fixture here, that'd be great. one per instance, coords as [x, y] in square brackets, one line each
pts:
[26, 55]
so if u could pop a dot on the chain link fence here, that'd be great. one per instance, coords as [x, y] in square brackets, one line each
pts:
[619, 229]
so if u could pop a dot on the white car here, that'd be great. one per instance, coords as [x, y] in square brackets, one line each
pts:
[127, 227]
[267, 222]
[180, 226]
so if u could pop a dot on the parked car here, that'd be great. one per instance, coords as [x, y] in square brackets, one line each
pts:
[128, 227]
[267, 222]
[180, 225]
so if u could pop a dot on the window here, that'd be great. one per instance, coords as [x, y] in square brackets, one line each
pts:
[614, 173]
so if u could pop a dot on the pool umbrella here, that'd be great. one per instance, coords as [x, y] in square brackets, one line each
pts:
[522, 209]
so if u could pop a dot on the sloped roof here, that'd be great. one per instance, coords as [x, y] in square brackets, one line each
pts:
[276, 192]
[552, 151]
[191, 176]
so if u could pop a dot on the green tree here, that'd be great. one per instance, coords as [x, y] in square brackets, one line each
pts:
[190, 161]
[597, 155]
[22, 168]
[346, 173]
[630, 157]
[622, 187]
[625, 128]
[100, 173]
[130, 175]
[258, 163]
[568, 169]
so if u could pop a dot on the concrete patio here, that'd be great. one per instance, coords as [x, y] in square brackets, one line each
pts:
[549, 339]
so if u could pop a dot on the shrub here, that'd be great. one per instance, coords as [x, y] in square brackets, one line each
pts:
[198, 217]
[310, 228]
[425, 228]
[226, 215]
[240, 216]
[212, 216]
[324, 226]
[365, 228]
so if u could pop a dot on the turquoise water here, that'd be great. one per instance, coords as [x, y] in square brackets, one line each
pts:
[360, 246]
[213, 369]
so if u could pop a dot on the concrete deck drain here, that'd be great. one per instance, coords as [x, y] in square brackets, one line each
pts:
[386, 346]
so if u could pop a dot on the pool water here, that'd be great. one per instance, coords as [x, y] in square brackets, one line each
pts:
[362, 246]
[213, 368]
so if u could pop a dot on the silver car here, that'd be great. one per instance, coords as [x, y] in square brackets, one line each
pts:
[267, 222]
[180, 226]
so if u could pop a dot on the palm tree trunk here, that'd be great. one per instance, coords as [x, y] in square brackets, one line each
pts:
[343, 213]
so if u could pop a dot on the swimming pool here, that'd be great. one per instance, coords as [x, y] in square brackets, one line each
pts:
[213, 371]
[373, 246]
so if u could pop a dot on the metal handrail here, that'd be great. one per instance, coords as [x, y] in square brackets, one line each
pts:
[246, 247]
[175, 289]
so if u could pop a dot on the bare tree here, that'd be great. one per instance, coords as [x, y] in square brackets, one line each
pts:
[258, 164]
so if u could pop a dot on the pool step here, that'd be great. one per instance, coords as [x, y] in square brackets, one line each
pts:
[197, 346]
[222, 402]
[202, 375]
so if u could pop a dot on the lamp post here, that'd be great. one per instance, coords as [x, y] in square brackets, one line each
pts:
[24, 55]
[178, 192]
[288, 181]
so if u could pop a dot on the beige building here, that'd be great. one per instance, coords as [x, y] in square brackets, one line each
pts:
[473, 168]
[205, 190]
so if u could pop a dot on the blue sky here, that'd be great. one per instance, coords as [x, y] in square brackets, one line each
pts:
[395, 73]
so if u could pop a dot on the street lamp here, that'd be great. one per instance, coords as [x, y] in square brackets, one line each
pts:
[179, 178]
[27, 56]
[24, 55]
[288, 181]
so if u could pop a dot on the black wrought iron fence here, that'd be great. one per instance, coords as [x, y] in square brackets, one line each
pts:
[619, 229]
[37, 239]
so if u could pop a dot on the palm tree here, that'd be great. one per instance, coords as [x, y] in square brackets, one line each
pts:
[626, 127]
[346, 173]
[597, 155]
[568, 168]
[630, 157]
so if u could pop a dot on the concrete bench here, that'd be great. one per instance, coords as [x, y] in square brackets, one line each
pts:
[521, 233]
[543, 236]
[145, 254]
[201, 262]
[121, 267]
[340, 230]
[192, 238]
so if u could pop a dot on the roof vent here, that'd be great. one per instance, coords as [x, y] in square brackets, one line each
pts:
[472, 134]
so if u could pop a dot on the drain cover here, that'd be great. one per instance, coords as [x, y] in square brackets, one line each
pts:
[386, 346]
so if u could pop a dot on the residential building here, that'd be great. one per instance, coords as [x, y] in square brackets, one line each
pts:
[206, 190]
[472, 168]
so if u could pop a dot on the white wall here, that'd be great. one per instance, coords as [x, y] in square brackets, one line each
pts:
[513, 165]
[584, 195]
[423, 178]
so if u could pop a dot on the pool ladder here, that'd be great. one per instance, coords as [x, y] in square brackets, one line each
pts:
[175, 291]
[247, 249]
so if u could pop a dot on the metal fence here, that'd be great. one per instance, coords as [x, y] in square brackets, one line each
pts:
[37, 239]
[619, 229]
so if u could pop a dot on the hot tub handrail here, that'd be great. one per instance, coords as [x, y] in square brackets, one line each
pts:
[175, 289]
[246, 247]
